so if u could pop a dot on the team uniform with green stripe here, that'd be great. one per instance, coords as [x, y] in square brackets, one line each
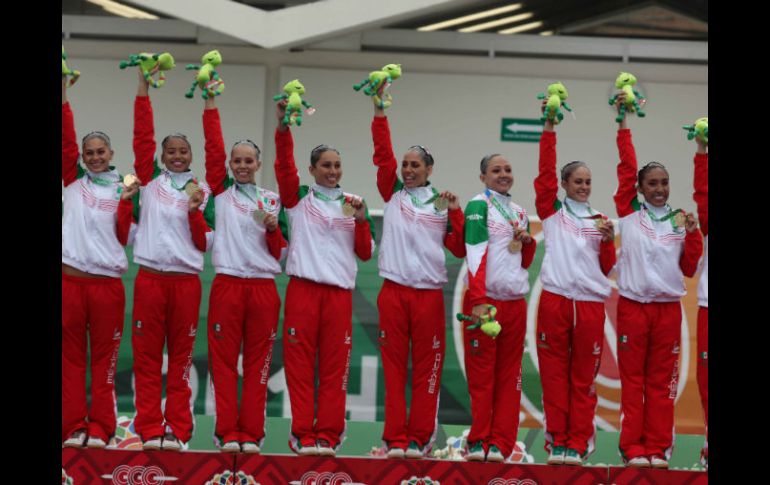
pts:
[96, 225]
[170, 238]
[411, 301]
[318, 311]
[655, 256]
[497, 277]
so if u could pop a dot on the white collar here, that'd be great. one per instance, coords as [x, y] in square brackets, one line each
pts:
[331, 193]
[579, 208]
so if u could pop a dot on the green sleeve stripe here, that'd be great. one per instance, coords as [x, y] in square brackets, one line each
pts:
[398, 185]
[303, 191]
[209, 213]
[81, 172]
[283, 223]
[135, 201]
[229, 181]
[635, 204]
[476, 222]
[156, 171]
[556, 205]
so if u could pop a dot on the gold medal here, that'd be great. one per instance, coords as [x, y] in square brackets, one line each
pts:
[191, 188]
[130, 180]
[599, 223]
[680, 219]
[348, 210]
[514, 246]
[441, 204]
[259, 215]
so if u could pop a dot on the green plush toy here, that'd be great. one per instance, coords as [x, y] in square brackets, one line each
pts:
[487, 323]
[699, 130]
[207, 78]
[626, 82]
[151, 64]
[379, 82]
[293, 91]
[557, 94]
[65, 71]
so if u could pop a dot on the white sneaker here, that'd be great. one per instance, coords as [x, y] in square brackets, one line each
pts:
[231, 447]
[395, 452]
[556, 457]
[171, 443]
[475, 452]
[76, 440]
[639, 462]
[310, 450]
[572, 457]
[658, 462]
[94, 442]
[250, 447]
[494, 455]
[153, 444]
[325, 448]
[414, 451]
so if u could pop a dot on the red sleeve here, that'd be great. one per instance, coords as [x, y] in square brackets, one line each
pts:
[387, 166]
[144, 139]
[363, 241]
[477, 285]
[69, 146]
[607, 256]
[701, 194]
[528, 253]
[627, 168]
[286, 169]
[198, 228]
[275, 242]
[546, 183]
[455, 240]
[693, 247]
[216, 156]
[125, 217]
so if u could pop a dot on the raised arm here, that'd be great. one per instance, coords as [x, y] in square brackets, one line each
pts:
[144, 133]
[285, 167]
[384, 159]
[216, 156]
[625, 195]
[546, 182]
[701, 183]
[69, 144]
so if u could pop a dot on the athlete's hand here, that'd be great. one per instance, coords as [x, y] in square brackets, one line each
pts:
[608, 231]
[271, 222]
[280, 112]
[690, 223]
[477, 312]
[521, 234]
[130, 190]
[195, 200]
[360, 207]
[454, 201]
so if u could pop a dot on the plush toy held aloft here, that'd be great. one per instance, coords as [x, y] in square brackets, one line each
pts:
[151, 64]
[207, 78]
[626, 82]
[557, 94]
[487, 323]
[379, 82]
[65, 71]
[293, 91]
[699, 130]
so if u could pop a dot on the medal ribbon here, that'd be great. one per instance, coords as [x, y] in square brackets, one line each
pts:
[667, 217]
[418, 203]
[506, 215]
[95, 178]
[592, 216]
[260, 201]
[326, 198]
[173, 184]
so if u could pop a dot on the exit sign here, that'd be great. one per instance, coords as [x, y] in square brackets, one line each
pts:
[521, 129]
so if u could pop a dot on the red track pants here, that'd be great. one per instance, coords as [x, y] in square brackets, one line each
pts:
[648, 357]
[165, 312]
[241, 312]
[91, 309]
[703, 366]
[317, 324]
[416, 315]
[493, 370]
[570, 336]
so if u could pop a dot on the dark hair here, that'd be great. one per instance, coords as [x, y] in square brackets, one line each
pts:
[176, 135]
[485, 161]
[570, 168]
[100, 135]
[424, 154]
[247, 142]
[643, 171]
[315, 153]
